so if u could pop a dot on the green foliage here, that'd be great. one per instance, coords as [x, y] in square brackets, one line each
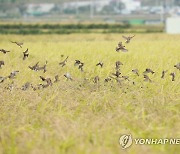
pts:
[74, 28]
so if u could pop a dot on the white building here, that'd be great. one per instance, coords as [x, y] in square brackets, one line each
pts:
[99, 4]
[34, 9]
[173, 25]
[131, 5]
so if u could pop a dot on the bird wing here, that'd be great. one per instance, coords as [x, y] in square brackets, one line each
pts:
[132, 36]
[124, 50]
[66, 58]
[124, 37]
[42, 78]
[26, 51]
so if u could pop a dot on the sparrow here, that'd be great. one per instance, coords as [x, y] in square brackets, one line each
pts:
[118, 63]
[177, 66]
[47, 80]
[117, 74]
[20, 44]
[2, 79]
[56, 78]
[26, 86]
[146, 78]
[10, 86]
[1, 63]
[173, 76]
[107, 79]
[35, 67]
[63, 63]
[13, 74]
[163, 73]
[42, 68]
[100, 64]
[42, 78]
[120, 47]
[81, 65]
[4, 51]
[39, 86]
[117, 79]
[25, 54]
[128, 38]
[96, 79]
[68, 76]
[148, 70]
[126, 77]
[136, 71]
[77, 62]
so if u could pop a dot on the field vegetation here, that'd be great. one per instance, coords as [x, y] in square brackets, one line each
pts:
[65, 28]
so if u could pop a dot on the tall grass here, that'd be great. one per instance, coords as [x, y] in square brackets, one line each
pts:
[79, 116]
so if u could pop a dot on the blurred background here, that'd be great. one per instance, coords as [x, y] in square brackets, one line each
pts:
[161, 14]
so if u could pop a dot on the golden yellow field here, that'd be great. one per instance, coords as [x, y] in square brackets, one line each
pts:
[81, 116]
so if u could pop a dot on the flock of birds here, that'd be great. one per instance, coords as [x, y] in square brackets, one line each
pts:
[117, 75]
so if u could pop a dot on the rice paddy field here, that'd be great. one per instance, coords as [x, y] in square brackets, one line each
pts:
[83, 115]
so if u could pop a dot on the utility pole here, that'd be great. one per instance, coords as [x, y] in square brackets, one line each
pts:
[118, 5]
[162, 12]
[157, 2]
[92, 9]
[77, 10]
[172, 3]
